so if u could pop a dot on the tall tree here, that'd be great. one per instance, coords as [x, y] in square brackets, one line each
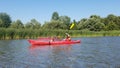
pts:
[109, 18]
[95, 16]
[55, 16]
[5, 20]
[65, 20]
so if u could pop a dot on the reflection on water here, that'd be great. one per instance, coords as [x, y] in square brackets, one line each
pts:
[98, 52]
[52, 56]
[55, 48]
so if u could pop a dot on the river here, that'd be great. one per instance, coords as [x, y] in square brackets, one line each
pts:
[92, 52]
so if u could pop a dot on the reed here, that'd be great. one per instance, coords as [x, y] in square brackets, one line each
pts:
[11, 33]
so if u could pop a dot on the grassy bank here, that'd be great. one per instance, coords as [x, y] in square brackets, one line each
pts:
[95, 34]
[35, 33]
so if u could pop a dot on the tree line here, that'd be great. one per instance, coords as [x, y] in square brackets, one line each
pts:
[93, 23]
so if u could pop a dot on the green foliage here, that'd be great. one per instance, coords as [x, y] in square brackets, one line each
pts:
[112, 22]
[55, 16]
[10, 33]
[54, 25]
[99, 26]
[5, 20]
[33, 24]
[57, 22]
[2, 33]
[94, 23]
[95, 16]
[112, 26]
[81, 24]
[17, 24]
[65, 20]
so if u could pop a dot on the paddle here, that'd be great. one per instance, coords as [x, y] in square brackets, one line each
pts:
[72, 25]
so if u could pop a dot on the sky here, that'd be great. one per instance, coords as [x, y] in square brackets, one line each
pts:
[42, 10]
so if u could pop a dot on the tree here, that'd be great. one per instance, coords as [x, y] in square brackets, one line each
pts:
[109, 18]
[17, 24]
[33, 24]
[99, 26]
[118, 21]
[58, 22]
[5, 20]
[112, 26]
[94, 23]
[55, 16]
[81, 23]
[65, 20]
[95, 16]
[54, 25]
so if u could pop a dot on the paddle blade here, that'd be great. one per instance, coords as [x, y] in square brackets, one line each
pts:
[72, 26]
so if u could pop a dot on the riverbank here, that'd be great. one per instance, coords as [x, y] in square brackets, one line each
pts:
[35, 33]
[97, 34]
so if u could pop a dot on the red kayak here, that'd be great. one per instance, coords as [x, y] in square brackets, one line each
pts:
[48, 38]
[44, 38]
[41, 42]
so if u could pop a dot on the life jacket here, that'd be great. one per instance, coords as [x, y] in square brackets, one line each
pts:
[68, 38]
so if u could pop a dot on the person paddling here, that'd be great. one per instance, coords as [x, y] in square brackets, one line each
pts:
[52, 39]
[68, 38]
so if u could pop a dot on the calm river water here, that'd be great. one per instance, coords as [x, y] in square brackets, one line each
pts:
[97, 52]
